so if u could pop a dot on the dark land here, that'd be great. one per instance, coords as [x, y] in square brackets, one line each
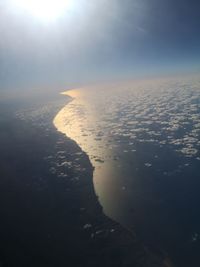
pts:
[50, 215]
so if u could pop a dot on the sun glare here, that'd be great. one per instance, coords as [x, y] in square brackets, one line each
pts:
[46, 10]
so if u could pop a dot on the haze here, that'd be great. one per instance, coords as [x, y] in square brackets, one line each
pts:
[97, 41]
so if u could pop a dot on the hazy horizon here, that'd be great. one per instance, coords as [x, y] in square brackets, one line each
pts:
[98, 41]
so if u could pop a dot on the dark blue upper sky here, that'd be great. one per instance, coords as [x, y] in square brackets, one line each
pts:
[98, 40]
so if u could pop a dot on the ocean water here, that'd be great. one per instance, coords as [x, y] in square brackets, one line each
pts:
[143, 139]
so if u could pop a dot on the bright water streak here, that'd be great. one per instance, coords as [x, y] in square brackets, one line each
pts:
[143, 141]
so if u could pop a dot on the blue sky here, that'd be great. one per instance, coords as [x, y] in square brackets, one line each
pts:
[98, 40]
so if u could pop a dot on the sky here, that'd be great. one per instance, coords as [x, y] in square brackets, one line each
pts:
[97, 40]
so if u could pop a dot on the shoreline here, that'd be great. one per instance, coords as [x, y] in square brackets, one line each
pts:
[130, 132]
[56, 215]
[166, 261]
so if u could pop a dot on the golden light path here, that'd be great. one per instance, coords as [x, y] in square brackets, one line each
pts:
[108, 123]
[105, 121]
[79, 120]
[124, 129]
[88, 120]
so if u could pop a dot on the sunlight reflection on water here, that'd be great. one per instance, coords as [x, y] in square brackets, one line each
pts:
[114, 124]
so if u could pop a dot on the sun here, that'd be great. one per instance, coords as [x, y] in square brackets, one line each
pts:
[46, 10]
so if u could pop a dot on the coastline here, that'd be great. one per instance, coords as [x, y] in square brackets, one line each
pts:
[56, 217]
[128, 235]
[128, 140]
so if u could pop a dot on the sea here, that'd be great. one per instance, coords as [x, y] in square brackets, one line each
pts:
[143, 140]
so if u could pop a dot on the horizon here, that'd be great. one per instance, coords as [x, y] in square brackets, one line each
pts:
[89, 43]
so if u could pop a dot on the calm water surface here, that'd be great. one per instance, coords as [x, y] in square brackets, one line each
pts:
[143, 141]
